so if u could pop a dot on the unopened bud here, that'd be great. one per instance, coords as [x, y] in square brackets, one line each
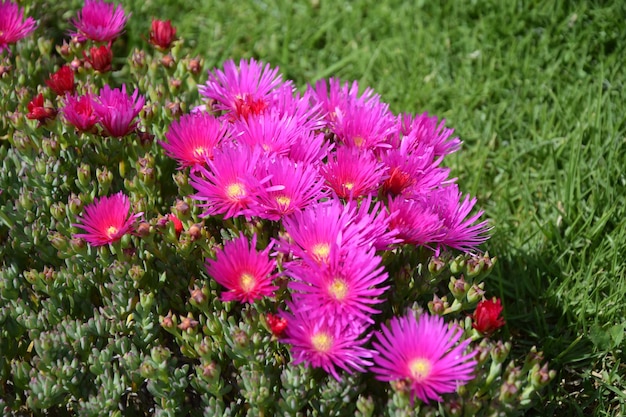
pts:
[143, 229]
[195, 231]
[168, 61]
[476, 293]
[84, 175]
[458, 287]
[438, 305]
[57, 210]
[194, 65]
[105, 178]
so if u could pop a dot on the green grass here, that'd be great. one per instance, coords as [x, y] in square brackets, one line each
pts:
[536, 91]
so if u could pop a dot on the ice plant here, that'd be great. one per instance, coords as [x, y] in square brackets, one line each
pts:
[352, 173]
[345, 289]
[426, 353]
[487, 316]
[162, 34]
[106, 220]
[37, 110]
[193, 138]
[244, 89]
[99, 21]
[100, 57]
[117, 110]
[227, 184]
[78, 111]
[333, 346]
[246, 273]
[62, 81]
[13, 26]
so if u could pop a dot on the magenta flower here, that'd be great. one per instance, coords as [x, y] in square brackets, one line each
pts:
[106, 220]
[78, 111]
[193, 138]
[425, 129]
[290, 188]
[310, 149]
[243, 90]
[99, 21]
[352, 173]
[424, 352]
[228, 183]
[367, 127]
[274, 134]
[415, 221]
[13, 26]
[334, 97]
[460, 230]
[344, 290]
[320, 344]
[412, 169]
[245, 272]
[117, 110]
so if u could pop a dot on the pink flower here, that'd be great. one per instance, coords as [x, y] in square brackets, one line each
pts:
[269, 131]
[345, 289]
[460, 230]
[243, 271]
[366, 127]
[424, 352]
[117, 110]
[106, 220]
[290, 188]
[78, 111]
[13, 26]
[62, 81]
[487, 316]
[414, 221]
[245, 89]
[412, 169]
[352, 173]
[330, 346]
[427, 130]
[193, 138]
[226, 186]
[99, 21]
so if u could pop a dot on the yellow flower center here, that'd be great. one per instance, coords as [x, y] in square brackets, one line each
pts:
[235, 191]
[111, 231]
[199, 152]
[358, 141]
[322, 342]
[283, 201]
[348, 186]
[420, 369]
[247, 282]
[338, 289]
[321, 251]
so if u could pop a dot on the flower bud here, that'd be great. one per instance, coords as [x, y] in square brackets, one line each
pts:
[105, 178]
[187, 323]
[438, 305]
[500, 351]
[57, 210]
[58, 241]
[84, 175]
[143, 229]
[436, 265]
[458, 287]
[194, 65]
[168, 61]
[75, 204]
[162, 34]
[50, 147]
[487, 316]
[241, 338]
[195, 231]
[25, 199]
[138, 59]
[476, 293]
[136, 273]
[457, 265]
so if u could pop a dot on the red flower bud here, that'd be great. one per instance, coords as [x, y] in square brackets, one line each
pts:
[100, 58]
[178, 225]
[162, 34]
[37, 110]
[62, 81]
[277, 324]
[487, 317]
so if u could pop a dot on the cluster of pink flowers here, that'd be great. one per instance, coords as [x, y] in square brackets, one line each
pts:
[347, 180]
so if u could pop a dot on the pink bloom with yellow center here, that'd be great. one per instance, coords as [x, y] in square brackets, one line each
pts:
[344, 289]
[106, 220]
[193, 138]
[330, 346]
[426, 353]
[13, 26]
[427, 130]
[227, 184]
[290, 188]
[99, 21]
[243, 271]
[352, 173]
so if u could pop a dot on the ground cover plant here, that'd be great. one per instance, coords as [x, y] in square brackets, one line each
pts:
[121, 291]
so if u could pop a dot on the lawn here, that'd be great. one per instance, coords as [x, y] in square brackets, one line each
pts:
[536, 92]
